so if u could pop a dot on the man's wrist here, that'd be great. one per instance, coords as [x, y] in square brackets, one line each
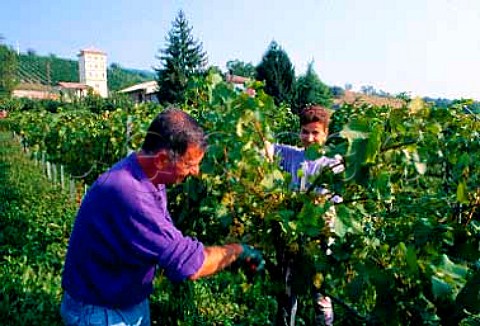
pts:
[245, 250]
[234, 249]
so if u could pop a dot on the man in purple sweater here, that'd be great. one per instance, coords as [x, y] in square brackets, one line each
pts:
[123, 231]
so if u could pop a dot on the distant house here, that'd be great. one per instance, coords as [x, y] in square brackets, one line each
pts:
[240, 83]
[70, 90]
[143, 92]
[237, 81]
[147, 91]
[35, 91]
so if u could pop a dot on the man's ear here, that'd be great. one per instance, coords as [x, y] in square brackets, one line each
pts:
[161, 159]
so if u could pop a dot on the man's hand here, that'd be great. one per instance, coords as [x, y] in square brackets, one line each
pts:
[252, 258]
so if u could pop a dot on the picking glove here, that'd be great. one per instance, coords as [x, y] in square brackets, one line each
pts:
[252, 258]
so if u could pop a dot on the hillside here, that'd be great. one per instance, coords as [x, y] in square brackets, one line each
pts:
[49, 70]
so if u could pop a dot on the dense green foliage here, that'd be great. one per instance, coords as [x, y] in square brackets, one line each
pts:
[181, 59]
[337, 91]
[277, 72]
[407, 233]
[309, 89]
[50, 70]
[35, 221]
[416, 192]
[8, 67]
[91, 103]
[101, 136]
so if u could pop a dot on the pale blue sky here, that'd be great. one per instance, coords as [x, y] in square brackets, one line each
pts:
[425, 47]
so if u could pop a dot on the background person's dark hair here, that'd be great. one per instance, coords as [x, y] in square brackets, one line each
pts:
[314, 113]
[173, 130]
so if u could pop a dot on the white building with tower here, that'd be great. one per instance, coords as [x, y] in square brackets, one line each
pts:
[92, 67]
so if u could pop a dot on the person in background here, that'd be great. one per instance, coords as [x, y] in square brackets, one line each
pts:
[314, 121]
[123, 231]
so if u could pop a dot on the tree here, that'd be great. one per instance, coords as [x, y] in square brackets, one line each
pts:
[368, 90]
[278, 73]
[182, 59]
[8, 70]
[310, 90]
[240, 68]
[337, 91]
[404, 96]
[382, 93]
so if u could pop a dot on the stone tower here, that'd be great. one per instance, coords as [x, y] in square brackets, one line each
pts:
[92, 67]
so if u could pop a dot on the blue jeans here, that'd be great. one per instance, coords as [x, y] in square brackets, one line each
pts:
[75, 313]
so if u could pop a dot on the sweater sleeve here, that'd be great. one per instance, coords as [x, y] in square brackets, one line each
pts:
[291, 158]
[152, 236]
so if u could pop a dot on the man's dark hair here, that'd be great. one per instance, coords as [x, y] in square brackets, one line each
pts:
[314, 113]
[173, 130]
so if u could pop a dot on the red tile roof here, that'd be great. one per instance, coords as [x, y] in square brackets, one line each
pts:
[91, 50]
[235, 79]
[70, 85]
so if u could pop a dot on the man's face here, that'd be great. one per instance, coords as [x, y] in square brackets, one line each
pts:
[313, 133]
[177, 169]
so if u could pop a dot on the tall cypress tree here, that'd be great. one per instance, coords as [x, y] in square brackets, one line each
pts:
[182, 58]
[309, 89]
[277, 71]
